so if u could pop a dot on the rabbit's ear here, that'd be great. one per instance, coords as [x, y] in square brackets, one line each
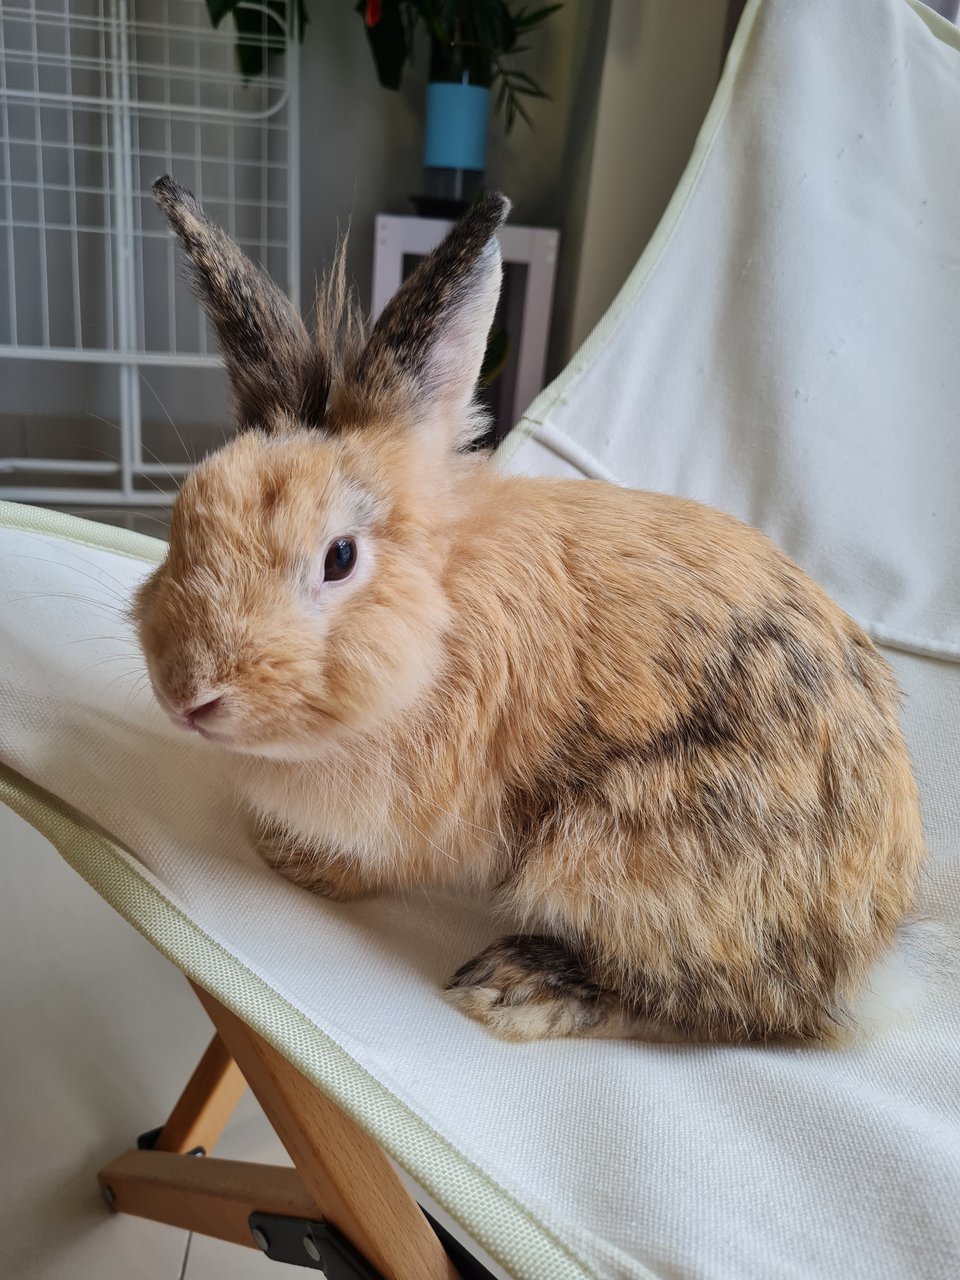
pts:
[275, 371]
[430, 340]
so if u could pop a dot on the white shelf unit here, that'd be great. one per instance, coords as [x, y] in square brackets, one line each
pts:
[97, 99]
[530, 252]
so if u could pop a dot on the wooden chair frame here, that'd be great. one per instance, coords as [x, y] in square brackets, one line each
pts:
[340, 1174]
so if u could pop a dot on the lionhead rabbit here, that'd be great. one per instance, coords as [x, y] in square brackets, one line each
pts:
[673, 758]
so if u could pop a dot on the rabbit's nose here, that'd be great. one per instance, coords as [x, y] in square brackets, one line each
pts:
[199, 711]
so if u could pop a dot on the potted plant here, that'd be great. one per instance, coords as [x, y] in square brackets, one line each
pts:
[472, 43]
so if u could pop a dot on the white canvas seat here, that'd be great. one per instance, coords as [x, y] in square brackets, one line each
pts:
[788, 348]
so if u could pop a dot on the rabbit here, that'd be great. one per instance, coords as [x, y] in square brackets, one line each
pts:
[630, 719]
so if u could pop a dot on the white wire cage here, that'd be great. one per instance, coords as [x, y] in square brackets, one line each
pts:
[97, 98]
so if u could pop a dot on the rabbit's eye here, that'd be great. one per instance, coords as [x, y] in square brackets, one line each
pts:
[340, 560]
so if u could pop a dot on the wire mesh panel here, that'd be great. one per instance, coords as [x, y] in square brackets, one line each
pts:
[97, 98]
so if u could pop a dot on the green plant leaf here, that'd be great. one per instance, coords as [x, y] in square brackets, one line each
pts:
[496, 356]
[508, 100]
[520, 82]
[445, 13]
[389, 43]
[259, 35]
[218, 9]
[524, 21]
[520, 110]
[439, 16]
[490, 25]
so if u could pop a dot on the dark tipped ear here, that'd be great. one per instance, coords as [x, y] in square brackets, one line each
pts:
[274, 369]
[432, 335]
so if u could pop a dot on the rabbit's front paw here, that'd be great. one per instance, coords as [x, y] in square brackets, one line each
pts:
[329, 878]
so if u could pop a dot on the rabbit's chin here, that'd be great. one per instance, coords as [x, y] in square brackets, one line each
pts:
[288, 752]
[291, 750]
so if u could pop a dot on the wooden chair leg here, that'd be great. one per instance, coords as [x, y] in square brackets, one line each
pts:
[212, 1197]
[342, 1176]
[343, 1169]
[206, 1104]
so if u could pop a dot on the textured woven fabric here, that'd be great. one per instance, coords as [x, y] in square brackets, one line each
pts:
[617, 1160]
[789, 353]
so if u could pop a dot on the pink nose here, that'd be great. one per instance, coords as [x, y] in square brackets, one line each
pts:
[201, 710]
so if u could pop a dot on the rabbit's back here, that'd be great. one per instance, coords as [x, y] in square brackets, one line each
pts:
[720, 798]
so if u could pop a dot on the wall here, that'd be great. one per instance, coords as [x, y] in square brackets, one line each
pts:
[660, 68]
[629, 83]
[361, 144]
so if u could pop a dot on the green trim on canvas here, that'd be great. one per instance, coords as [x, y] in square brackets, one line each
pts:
[497, 1221]
[101, 537]
[945, 31]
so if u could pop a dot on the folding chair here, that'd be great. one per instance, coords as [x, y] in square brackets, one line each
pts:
[787, 348]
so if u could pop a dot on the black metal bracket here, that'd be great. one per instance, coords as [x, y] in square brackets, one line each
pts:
[468, 1268]
[303, 1242]
[147, 1141]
